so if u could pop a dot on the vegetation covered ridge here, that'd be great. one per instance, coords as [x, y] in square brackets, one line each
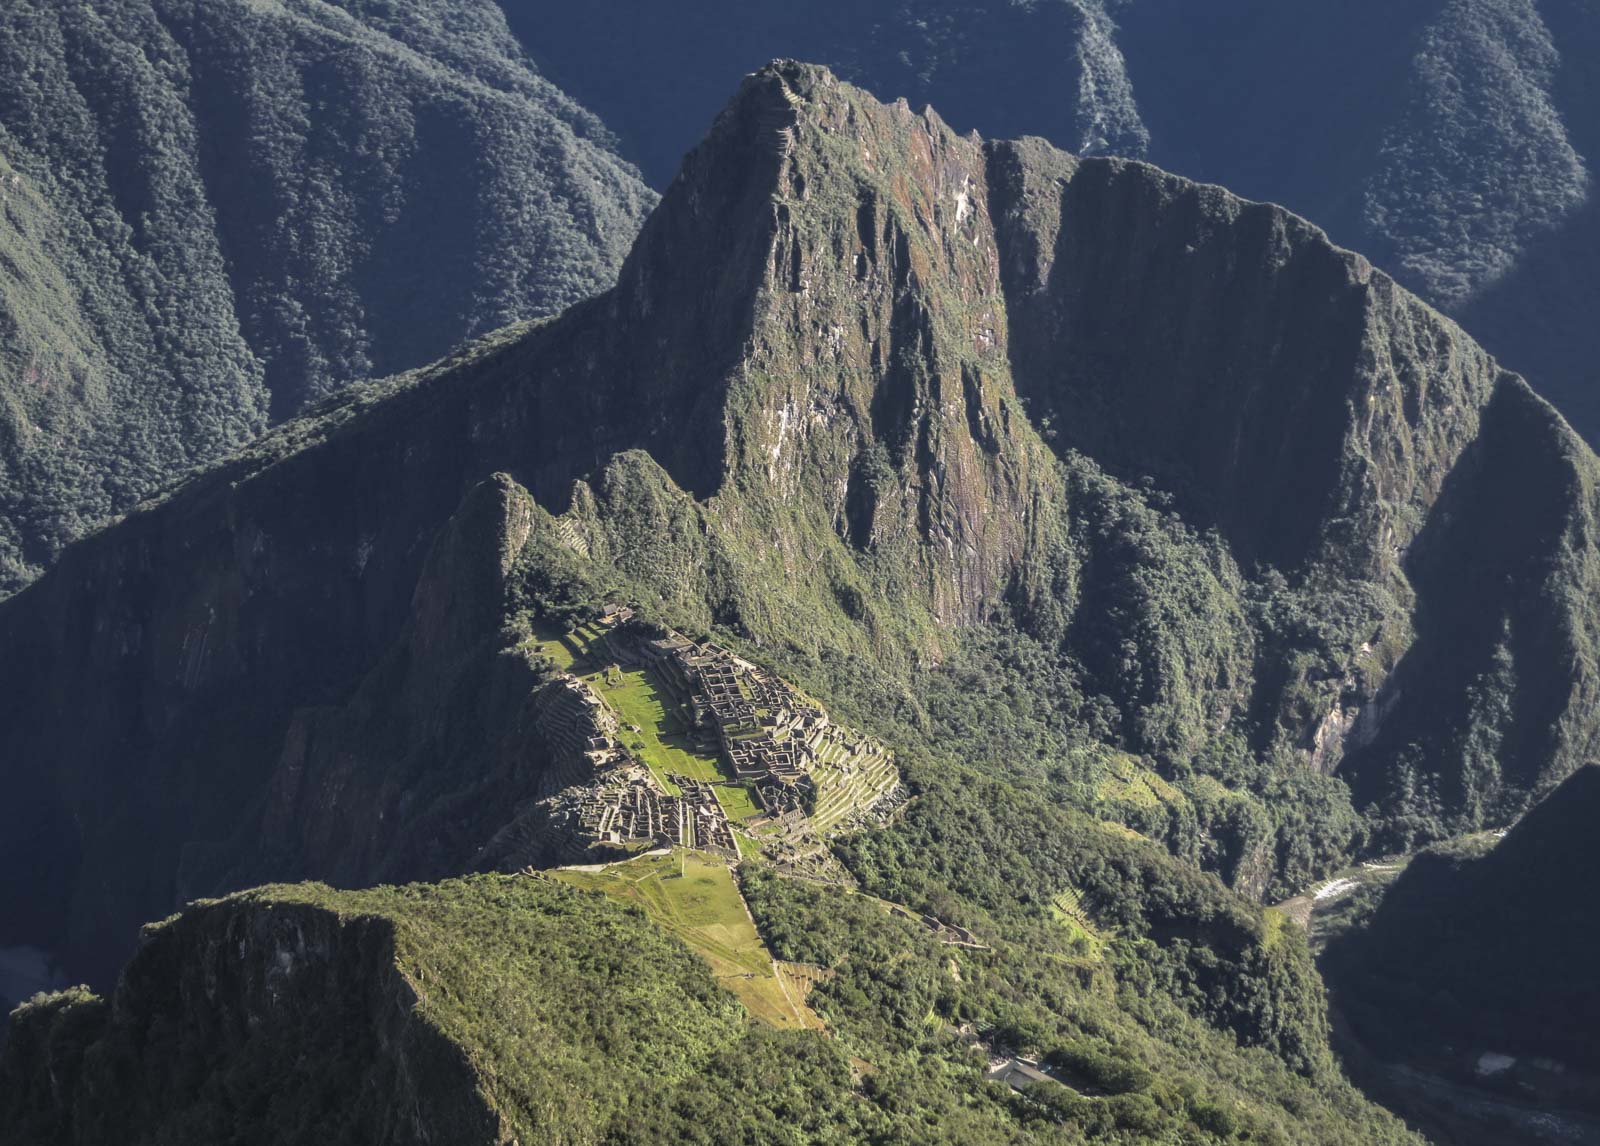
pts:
[1487, 944]
[507, 1008]
[214, 215]
[1176, 556]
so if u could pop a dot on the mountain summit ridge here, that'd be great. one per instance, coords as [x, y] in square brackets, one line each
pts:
[865, 388]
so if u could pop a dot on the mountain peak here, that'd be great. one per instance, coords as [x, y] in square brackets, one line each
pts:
[864, 384]
[815, 313]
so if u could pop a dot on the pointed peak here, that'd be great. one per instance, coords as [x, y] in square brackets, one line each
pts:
[796, 82]
[800, 77]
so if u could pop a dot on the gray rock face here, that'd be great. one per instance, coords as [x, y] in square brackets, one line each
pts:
[1451, 141]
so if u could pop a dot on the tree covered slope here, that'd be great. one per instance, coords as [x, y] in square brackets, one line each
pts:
[212, 215]
[503, 1009]
[1488, 944]
[1246, 547]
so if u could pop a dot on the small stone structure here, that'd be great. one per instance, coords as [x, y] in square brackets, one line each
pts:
[1017, 1073]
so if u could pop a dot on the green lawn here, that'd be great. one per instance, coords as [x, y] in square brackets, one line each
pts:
[697, 900]
[564, 650]
[739, 802]
[667, 748]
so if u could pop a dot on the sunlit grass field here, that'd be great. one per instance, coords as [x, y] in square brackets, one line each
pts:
[697, 900]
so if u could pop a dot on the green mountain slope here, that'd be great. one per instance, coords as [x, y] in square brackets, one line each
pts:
[1162, 471]
[1489, 944]
[502, 1009]
[215, 214]
[1150, 531]
[475, 1010]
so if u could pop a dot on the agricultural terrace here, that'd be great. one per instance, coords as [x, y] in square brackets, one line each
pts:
[849, 777]
[563, 649]
[1066, 908]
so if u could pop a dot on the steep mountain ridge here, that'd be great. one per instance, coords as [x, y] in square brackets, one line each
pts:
[1342, 460]
[808, 417]
[198, 606]
[1451, 141]
[1267, 437]
[1049, 69]
[1504, 569]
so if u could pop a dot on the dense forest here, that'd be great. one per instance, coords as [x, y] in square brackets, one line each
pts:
[212, 215]
[1179, 556]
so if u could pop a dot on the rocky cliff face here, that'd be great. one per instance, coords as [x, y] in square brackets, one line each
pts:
[225, 998]
[438, 738]
[1452, 141]
[810, 413]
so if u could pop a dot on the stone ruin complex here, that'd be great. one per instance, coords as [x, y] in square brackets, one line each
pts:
[597, 796]
[637, 809]
[766, 732]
